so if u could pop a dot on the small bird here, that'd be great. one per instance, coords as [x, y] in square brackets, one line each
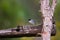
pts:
[31, 21]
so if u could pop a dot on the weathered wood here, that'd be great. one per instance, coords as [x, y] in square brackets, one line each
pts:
[27, 31]
[24, 31]
[47, 13]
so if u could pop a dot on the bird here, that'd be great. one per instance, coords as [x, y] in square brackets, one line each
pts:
[32, 21]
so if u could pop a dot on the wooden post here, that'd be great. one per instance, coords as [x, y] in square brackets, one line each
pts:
[47, 14]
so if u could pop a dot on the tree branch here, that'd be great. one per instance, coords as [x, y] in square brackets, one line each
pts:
[47, 14]
[27, 31]
[54, 3]
[24, 31]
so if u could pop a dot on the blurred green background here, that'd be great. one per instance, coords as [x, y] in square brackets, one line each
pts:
[17, 12]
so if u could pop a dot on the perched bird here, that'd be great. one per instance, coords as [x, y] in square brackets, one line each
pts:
[31, 21]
